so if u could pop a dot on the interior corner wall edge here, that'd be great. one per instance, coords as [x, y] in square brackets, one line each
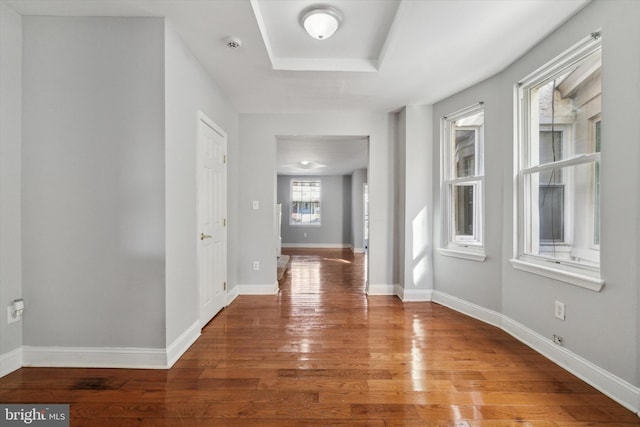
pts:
[10, 184]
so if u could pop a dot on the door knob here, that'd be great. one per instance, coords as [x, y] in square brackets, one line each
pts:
[204, 236]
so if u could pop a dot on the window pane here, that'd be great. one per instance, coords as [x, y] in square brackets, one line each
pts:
[562, 227]
[465, 152]
[568, 101]
[463, 196]
[551, 151]
[305, 202]
[596, 195]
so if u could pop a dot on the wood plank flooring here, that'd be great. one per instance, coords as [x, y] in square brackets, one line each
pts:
[321, 353]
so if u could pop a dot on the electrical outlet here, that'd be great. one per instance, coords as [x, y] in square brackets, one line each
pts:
[560, 310]
[256, 265]
[10, 316]
[255, 205]
[558, 339]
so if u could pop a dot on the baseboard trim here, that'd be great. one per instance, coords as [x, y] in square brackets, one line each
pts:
[613, 386]
[358, 250]
[232, 294]
[317, 245]
[94, 357]
[473, 310]
[11, 361]
[381, 289]
[258, 289]
[182, 344]
[413, 295]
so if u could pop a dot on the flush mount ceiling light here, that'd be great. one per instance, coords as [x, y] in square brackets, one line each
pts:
[321, 21]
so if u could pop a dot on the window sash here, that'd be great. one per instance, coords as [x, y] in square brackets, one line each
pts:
[305, 206]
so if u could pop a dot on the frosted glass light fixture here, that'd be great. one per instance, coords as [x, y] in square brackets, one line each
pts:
[321, 21]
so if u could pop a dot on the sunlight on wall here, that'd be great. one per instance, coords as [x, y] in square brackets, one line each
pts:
[420, 242]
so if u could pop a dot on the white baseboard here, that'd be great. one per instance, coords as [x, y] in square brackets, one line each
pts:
[11, 361]
[177, 348]
[95, 357]
[258, 289]
[616, 388]
[232, 294]
[476, 311]
[381, 289]
[358, 250]
[413, 295]
[317, 245]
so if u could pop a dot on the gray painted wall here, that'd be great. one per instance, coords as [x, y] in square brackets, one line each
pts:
[358, 179]
[335, 211]
[93, 182]
[602, 327]
[10, 172]
[189, 89]
[414, 194]
[257, 233]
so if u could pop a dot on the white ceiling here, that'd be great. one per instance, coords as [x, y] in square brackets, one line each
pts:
[387, 53]
[329, 155]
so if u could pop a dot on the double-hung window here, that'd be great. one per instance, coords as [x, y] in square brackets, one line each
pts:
[558, 167]
[462, 148]
[305, 202]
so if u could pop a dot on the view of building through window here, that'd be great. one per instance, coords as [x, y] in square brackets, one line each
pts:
[305, 202]
[560, 170]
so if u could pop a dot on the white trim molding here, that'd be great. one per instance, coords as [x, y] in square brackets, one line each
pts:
[181, 344]
[258, 289]
[381, 289]
[11, 361]
[473, 310]
[358, 250]
[318, 245]
[615, 387]
[95, 357]
[413, 295]
[232, 294]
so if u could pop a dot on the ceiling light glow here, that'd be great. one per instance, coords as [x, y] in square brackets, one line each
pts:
[321, 21]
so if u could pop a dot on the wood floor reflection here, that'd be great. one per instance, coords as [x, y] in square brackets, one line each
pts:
[322, 353]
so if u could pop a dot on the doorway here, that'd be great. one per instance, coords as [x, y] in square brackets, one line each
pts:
[330, 215]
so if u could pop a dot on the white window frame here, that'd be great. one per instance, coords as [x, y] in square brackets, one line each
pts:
[303, 179]
[469, 247]
[570, 272]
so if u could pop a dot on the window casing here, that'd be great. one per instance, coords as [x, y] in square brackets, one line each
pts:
[462, 148]
[557, 167]
[305, 202]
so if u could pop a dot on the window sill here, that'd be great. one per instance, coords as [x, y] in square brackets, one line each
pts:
[582, 280]
[472, 255]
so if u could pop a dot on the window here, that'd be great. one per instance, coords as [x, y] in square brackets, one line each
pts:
[462, 147]
[305, 202]
[558, 167]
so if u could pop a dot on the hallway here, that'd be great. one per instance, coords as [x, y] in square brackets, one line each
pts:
[323, 353]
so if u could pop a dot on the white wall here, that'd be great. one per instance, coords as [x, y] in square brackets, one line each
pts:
[257, 182]
[10, 186]
[93, 182]
[189, 89]
[601, 327]
[358, 179]
[335, 208]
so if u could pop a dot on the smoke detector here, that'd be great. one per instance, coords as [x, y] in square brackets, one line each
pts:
[233, 42]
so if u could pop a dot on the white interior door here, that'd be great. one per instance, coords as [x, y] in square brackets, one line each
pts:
[212, 213]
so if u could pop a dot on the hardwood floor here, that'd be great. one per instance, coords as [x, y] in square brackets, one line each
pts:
[321, 353]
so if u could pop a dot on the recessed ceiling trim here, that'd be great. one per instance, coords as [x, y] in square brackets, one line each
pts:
[255, 5]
